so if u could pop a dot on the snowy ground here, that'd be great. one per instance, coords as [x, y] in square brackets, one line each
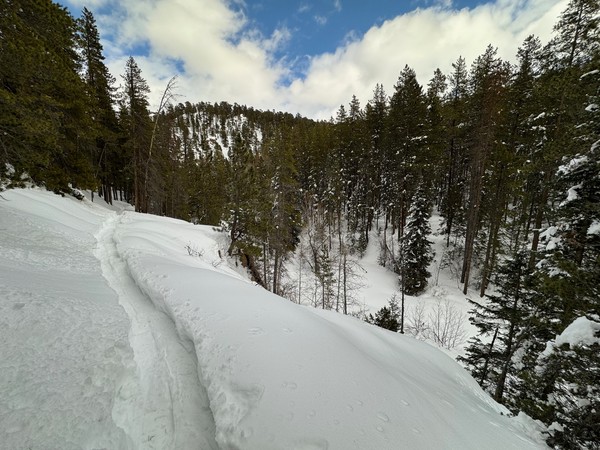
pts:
[374, 286]
[114, 336]
[443, 289]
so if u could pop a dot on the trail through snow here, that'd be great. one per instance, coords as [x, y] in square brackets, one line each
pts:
[164, 405]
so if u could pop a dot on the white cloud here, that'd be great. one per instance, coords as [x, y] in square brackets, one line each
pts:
[224, 58]
[304, 8]
[337, 5]
[321, 20]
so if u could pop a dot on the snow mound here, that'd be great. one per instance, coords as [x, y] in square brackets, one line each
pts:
[582, 331]
[109, 326]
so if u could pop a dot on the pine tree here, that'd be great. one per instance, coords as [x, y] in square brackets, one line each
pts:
[45, 126]
[284, 220]
[566, 382]
[387, 317]
[556, 382]
[567, 57]
[488, 79]
[415, 245]
[358, 178]
[375, 117]
[454, 161]
[436, 131]
[526, 138]
[135, 121]
[100, 89]
[504, 323]
[405, 149]
[578, 34]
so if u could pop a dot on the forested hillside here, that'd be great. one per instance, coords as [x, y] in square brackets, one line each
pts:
[507, 153]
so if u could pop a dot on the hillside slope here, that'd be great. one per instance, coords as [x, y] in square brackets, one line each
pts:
[123, 330]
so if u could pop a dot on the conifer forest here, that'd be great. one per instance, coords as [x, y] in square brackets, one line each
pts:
[506, 153]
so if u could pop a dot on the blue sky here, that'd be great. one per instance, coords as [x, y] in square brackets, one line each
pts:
[322, 26]
[305, 56]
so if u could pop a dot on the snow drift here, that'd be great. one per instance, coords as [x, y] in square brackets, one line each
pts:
[114, 335]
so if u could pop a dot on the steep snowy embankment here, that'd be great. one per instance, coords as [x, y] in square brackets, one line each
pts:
[145, 346]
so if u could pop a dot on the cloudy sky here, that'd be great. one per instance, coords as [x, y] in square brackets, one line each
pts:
[305, 56]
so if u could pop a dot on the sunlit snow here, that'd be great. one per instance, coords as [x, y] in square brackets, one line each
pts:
[115, 336]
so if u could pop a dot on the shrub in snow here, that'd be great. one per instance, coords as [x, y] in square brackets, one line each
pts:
[387, 317]
[445, 325]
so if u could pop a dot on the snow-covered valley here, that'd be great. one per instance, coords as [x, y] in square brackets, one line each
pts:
[115, 336]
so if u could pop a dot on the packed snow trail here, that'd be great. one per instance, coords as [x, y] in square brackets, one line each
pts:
[164, 406]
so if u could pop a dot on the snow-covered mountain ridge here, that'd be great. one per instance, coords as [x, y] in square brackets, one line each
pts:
[116, 336]
[204, 129]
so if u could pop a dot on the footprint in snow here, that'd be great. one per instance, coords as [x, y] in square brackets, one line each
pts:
[290, 385]
[383, 417]
[256, 331]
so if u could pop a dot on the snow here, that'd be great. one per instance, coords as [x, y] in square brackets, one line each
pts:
[549, 236]
[115, 337]
[539, 116]
[9, 169]
[587, 74]
[380, 284]
[572, 165]
[572, 195]
[582, 331]
[594, 228]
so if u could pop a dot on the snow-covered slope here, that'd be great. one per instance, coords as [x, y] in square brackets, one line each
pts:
[114, 336]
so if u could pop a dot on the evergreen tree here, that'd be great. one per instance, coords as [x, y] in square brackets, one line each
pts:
[135, 121]
[387, 317]
[454, 161]
[247, 218]
[100, 89]
[45, 126]
[578, 34]
[436, 131]
[567, 57]
[504, 324]
[487, 84]
[526, 139]
[358, 183]
[375, 117]
[566, 382]
[415, 245]
[405, 154]
[284, 219]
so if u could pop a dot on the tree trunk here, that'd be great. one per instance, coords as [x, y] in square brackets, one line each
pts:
[487, 360]
[345, 275]
[275, 272]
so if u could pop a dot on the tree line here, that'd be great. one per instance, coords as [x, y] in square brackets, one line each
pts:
[506, 153]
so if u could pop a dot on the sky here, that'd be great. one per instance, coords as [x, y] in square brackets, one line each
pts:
[305, 57]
